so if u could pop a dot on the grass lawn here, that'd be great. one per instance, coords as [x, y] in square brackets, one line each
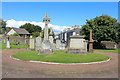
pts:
[109, 50]
[3, 46]
[60, 57]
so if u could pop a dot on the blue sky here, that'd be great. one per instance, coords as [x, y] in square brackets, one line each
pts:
[61, 13]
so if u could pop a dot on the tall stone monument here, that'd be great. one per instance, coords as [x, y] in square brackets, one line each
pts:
[46, 19]
[91, 42]
[46, 44]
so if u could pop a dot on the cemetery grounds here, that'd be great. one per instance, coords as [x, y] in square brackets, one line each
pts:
[12, 68]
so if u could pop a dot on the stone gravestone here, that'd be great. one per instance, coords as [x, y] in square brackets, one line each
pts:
[32, 44]
[38, 43]
[58, 44]
[77, 45]
[62, 46]
[8, 43]
[50, 35]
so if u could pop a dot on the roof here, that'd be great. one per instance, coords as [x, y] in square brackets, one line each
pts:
[21, 31]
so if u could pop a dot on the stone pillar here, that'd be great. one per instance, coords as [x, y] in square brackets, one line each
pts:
[85, 45]
[32, 44]
[91, 42]
[46, 32]
[25, 39]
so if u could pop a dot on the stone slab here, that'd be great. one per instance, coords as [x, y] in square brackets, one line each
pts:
[32, 43]
[38, 43]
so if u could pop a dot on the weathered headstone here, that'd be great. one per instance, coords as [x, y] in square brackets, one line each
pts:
[32, 44]
[58, 44]
[77, 45]
[51, 35]
[38, 43]
[8, 43]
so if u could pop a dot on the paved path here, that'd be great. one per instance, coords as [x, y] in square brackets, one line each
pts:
[23, 69]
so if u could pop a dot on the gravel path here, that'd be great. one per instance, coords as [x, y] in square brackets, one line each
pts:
[23, 69]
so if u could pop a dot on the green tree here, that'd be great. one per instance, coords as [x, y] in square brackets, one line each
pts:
[31, 28]
[8, 28]
[105, 28]
[2, 26]
[36, 34]
[15, 34]
[118, 33]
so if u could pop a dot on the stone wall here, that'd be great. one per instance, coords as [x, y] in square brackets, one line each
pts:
[19, 39]
[105, 45]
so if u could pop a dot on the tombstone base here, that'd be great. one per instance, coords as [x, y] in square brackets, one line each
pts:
[76, 51]
[45, 51]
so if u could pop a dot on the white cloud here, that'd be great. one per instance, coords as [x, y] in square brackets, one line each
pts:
[17, 24]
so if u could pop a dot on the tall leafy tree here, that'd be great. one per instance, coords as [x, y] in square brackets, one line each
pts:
[105, 28]
[31, 28]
